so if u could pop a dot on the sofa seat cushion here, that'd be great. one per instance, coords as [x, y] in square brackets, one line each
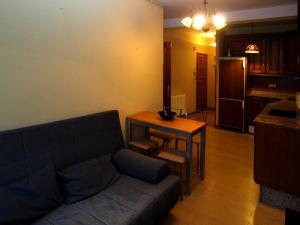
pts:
[95, 210]
[87, 178]
[128, 201]
[143, 204]
[69, 215]
[165, 193]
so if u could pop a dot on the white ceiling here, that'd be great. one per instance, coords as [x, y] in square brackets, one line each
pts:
[181, 8]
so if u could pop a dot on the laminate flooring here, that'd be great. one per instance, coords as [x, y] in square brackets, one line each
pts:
[228, 195]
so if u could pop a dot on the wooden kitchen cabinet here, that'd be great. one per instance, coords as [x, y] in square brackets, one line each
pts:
[236, 45]
[270, 57]
[279, 52]
[291, 53]
[274, 54]
[257, 62]
[254, 105]
[276, 157]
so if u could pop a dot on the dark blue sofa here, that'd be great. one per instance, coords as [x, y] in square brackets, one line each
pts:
[76, 172]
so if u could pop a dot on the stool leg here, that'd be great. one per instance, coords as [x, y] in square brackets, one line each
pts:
[180, 183]
[166, 144]
[176, 143]
[198, 156]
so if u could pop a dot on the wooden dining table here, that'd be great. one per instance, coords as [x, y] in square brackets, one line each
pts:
[143, 121]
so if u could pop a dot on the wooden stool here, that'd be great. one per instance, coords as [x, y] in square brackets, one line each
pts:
[178, 160]
[196, 142]
[164, 136]
[146, 146]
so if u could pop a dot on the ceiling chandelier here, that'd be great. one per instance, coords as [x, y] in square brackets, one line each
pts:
[203, 20]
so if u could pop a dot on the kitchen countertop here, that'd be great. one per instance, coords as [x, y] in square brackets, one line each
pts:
[271, 94]
[264, 116]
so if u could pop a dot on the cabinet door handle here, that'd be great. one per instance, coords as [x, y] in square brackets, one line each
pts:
[298, 60]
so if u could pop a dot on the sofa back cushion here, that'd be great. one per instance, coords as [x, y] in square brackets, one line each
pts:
[80, 139]
[31, 197]
[85, 179]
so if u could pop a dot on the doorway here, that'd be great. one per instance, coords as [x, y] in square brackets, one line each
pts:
[201, 82]
[167, 75]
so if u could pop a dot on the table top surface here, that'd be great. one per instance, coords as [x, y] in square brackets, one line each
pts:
[181, 124]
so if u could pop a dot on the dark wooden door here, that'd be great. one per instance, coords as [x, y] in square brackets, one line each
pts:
[257, 62]
[274, 55]
[201, 82]
[167, 74]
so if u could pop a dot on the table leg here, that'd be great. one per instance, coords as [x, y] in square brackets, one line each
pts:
[128, 131]
[202, 154]
[188, 157]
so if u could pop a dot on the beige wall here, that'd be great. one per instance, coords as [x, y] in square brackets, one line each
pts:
[62, 58]
[185, 45]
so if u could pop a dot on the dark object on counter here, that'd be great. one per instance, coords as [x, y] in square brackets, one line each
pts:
[292, 217]
[283, 113]
[167, 114]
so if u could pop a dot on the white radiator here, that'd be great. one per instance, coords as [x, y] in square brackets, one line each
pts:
[178, 102]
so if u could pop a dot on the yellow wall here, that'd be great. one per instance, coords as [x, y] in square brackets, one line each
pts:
[185, 45]
[62, 58]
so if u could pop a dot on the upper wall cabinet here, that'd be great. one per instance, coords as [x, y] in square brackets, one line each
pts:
[279, 52]
[235, 45]
[269, 59]
[257, 62]
[274, 54]
[291, 59]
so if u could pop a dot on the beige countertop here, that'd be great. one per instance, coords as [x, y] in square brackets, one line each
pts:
[271, 94]
[264, 116]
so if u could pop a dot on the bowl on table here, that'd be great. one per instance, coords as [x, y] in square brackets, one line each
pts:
[167, 115]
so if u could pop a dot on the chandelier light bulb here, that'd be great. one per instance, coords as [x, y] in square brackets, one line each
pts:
[219, 21]
[204, 20]
[198, 21]
[187, 21]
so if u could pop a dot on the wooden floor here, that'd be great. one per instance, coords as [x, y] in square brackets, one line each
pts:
[228, 196]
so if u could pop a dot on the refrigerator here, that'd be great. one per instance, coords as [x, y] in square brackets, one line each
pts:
[231, 85]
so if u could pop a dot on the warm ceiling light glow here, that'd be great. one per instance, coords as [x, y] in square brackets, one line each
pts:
[198, 21]
[209, 34]
[219, 21]
[252, 49]
[205, 21]
[187, 21]
[213, 44]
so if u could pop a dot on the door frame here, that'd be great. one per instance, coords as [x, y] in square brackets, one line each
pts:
[167, 74]
[197, 74]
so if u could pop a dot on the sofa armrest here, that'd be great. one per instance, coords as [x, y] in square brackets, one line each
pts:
[140, 166]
